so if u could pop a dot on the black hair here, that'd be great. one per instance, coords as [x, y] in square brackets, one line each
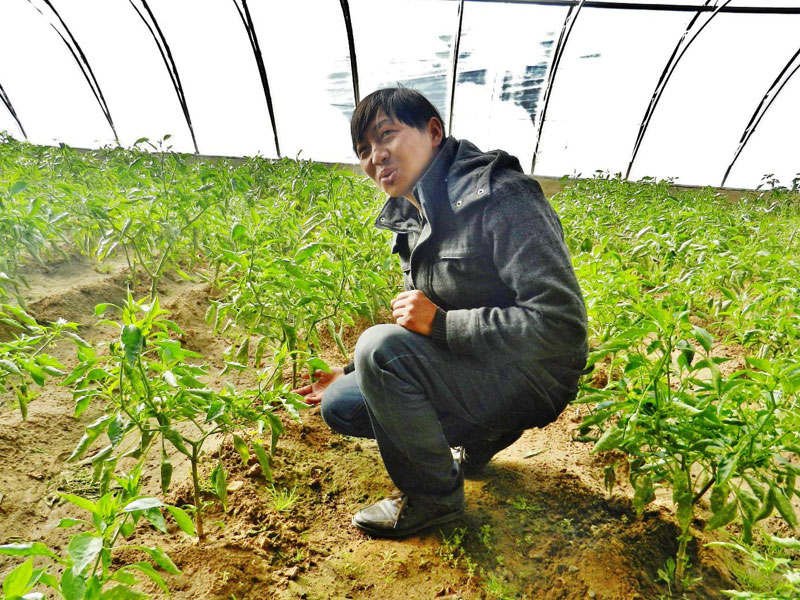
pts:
[401, 104]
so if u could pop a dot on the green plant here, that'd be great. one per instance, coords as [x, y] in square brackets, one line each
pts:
[154, 396]
[22, 358]
[89, 571]
[283, 499]
[685, 425]
[780, 573]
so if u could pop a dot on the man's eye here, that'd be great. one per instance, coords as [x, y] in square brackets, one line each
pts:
[386, 132]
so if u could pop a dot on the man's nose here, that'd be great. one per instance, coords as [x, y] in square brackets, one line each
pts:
[379, 154]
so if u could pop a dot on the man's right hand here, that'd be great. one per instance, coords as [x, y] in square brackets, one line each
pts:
[320, 382]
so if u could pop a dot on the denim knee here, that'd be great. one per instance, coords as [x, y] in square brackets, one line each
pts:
[343, 410]
[377, 341]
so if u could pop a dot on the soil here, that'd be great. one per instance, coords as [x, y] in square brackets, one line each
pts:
[538, 522]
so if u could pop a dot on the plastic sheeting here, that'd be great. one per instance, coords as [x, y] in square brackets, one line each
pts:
[570, 81]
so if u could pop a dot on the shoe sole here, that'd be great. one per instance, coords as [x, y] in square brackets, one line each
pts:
[401, 533]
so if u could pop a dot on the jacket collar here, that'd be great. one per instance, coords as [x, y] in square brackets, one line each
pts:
[460, 172]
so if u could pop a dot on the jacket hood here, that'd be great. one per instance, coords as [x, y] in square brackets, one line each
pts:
[470, 174]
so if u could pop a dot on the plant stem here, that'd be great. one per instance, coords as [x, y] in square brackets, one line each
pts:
[196, 484]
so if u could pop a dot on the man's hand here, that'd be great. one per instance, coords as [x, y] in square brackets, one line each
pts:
[320, 382]
[414, 311]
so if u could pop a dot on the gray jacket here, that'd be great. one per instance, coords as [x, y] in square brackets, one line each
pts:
[489, 251]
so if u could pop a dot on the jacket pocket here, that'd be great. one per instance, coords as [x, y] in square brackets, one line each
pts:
[466, 278]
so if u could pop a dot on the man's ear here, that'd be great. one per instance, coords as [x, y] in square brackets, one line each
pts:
[436, 131]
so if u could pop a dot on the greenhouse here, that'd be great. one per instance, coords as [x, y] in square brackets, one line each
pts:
[533, 264]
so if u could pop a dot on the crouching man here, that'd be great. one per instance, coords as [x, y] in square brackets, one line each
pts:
[490, 333]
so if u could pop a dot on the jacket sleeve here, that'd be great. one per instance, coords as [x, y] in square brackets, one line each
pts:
[548, 316]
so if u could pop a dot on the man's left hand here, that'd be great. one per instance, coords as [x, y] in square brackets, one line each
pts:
[414, 311]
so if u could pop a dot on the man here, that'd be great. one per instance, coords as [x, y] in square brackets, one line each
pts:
[490, 333]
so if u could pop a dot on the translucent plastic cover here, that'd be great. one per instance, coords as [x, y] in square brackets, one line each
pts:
[700, 91]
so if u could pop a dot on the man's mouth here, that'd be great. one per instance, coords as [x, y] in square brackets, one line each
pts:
[388, 176]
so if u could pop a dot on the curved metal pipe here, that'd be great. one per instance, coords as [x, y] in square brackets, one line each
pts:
[456, 50]
[351, 43]
[247, 21]
[169, 62]
[83, 64]
[7, 103]
[566, 30]
[761, 109]
[677, 54]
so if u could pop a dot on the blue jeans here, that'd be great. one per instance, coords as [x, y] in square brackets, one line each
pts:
[417, 399]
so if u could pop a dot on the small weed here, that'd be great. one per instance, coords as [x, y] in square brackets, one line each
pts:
[485, 535]
[497, 589]
[565, 526]
[521, 503]
[283, 500]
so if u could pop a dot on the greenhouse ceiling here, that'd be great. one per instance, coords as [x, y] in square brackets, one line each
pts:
[702, 91]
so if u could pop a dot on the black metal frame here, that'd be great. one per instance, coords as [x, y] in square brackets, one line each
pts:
[761, 109]
[83, 64]
[677, 54]
[456, 50]
[169, 62]
[7, 103]
[247, 21]
[351, 44]
[566, 30]
[662, 6]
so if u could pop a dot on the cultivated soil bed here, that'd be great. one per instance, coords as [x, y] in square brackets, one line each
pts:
[538, 523]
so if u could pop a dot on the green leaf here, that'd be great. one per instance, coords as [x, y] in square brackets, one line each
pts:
[160, 557]
[609, 440]
[147, 569]
[83, 550]
[241, 447]
[722, 517]
[156, 519]
[243, 353]
[65, 523]
[142, 504]
[644, 493]
[17, 187]
[220, 484]
[727, 465]
[116, 429]
[122, 592]
[784, 505]
[306, 252]
[788, 543]
[183, 520]
[33, 549]
[17, 582]
[80, 502]
[238, 233]
[703, 338]
[175, 439]
[719, 495]
[134, 342]
[73, 586]
[92, 431]
[9, 366]
[263, 459]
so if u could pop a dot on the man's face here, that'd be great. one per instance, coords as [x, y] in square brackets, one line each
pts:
[395, 155]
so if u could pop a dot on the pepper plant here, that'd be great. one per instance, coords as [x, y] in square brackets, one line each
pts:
[683, 424]
[88, 569]
[23, 359]
[154, 397]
